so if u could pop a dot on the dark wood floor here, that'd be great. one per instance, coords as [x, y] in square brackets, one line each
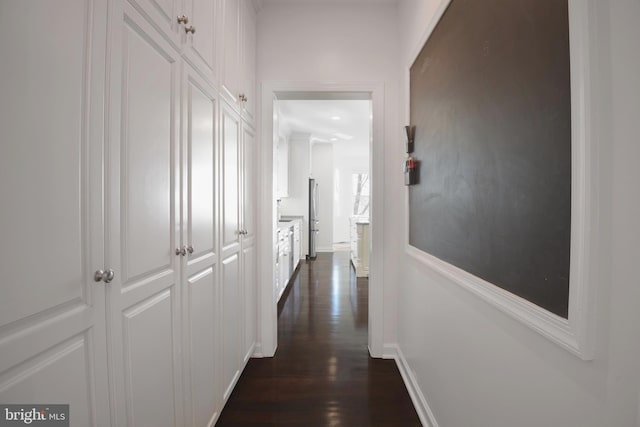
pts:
[322, 374]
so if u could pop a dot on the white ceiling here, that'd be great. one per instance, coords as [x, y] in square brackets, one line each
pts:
[318, 118]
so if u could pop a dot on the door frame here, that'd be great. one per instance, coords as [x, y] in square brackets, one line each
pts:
[267, 331]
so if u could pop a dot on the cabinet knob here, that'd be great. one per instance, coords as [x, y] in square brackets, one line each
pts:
[183, 19]
[181, 251]
[242, 97]
[105, 276]
[190, 249]
[190, 29]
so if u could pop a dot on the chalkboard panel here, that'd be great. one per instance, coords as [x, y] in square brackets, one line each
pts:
[490, 99]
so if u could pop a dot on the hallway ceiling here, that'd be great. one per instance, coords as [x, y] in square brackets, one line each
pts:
[327, 120]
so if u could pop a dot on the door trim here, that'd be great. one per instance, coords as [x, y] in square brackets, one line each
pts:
[267, 302]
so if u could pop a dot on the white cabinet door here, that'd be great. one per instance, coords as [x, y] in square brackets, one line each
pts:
[143, 224]
[282, 159]
[297, 244]
[248, 51]
[163, 14]
[231, 75]
[200, 45]
[52, 313]
[249, 263]
[200, 264]
[231, 298]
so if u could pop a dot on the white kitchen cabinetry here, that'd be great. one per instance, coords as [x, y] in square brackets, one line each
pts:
[284, 249]
[238, 80]
[288, 254]
[297, 243]
[360, 245]
[282, 167]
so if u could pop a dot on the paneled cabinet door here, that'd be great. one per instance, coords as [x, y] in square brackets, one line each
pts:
[231, 74]
[231, 304]
[52, 312]
[248, 263]
[164, 15]
[200, 260]
[143, 224]
[248, 51]
[199, 34]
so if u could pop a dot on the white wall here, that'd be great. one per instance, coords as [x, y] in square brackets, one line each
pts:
[349, 157]
[345, 43]
[478, 367]
[322, 171]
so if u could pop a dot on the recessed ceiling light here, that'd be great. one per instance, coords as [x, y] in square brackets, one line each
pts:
[335, 117]
[334, 139]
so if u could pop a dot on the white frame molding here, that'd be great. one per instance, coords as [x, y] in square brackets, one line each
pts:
[575, 334]
[267, 301]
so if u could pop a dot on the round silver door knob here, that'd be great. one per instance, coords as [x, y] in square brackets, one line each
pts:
[108, 276]
[190, 249]
[181, 251]
[105, 276]
[190, 29]
[183, 19]
[97, 276]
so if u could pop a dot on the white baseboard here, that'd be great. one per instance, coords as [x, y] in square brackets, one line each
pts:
[392, 351]
[257, 351]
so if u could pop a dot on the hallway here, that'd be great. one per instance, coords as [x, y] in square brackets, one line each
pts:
[322, 374]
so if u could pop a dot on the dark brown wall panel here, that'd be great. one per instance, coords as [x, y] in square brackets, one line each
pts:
[490, 99]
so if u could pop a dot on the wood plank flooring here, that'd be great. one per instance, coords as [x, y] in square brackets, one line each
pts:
[322, 374]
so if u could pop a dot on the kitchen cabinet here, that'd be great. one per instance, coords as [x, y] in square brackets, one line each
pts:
[359, 233]
[288, 253]
[282, 167]
[284, 259]
[297, 243]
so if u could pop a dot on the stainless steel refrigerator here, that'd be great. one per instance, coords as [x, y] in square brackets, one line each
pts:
[313, 217]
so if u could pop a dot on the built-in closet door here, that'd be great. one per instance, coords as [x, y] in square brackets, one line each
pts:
[200, 261]
[248, 236]
[248, 51]
[230, 133]
[199, 34]
[52, 312]
[143, 243]
[231, 74]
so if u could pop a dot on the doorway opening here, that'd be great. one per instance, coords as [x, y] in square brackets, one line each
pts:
[325, 138]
